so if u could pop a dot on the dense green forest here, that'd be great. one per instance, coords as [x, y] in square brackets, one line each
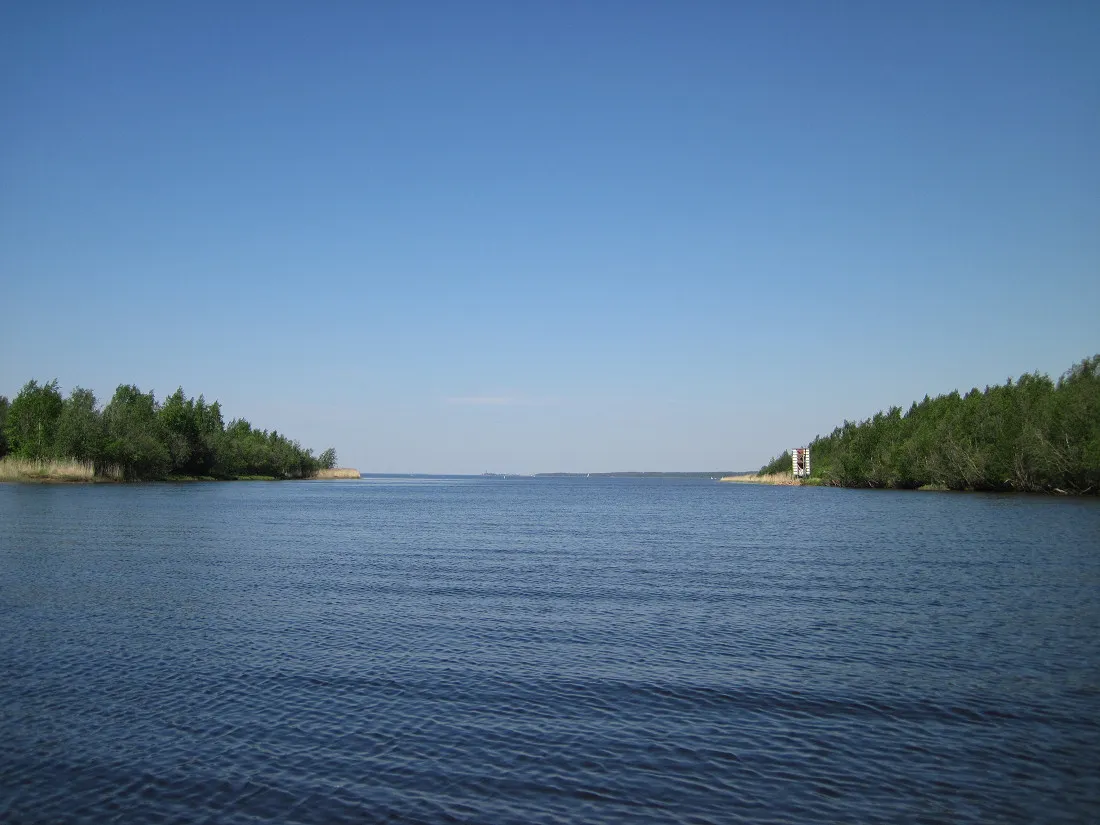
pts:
[1033, 434]
[136, 437]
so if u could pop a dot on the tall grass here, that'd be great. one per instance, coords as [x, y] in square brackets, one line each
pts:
[783, 479]
[23, 469]
[337, 472]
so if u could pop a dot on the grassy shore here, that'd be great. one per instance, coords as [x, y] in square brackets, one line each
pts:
[782, 479]
[61, 471]
[338, 472]
[48, 470]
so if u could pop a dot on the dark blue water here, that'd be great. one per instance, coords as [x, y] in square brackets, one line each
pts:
[546, 651]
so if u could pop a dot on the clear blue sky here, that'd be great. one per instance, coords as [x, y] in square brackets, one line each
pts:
[457, 237]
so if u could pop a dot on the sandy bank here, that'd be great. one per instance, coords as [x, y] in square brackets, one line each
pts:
[782, 479]
[338, 472]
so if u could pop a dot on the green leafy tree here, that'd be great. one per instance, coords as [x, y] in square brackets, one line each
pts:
[327, 459]
[135, 439]
[80, 432]
[182, 420]
[32, 418]
[1074, 432]
[247, 451]
[1029, 435]
[3, 419]
[144, 439]
[780, 464]
[209, 429]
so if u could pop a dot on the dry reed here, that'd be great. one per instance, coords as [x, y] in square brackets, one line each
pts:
[782, 479]
[338, 472]
[67, 469]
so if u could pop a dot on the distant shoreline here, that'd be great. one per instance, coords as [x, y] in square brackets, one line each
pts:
[715, 474]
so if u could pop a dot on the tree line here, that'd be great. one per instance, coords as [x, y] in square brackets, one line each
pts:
[1034, 435]
[139, 438]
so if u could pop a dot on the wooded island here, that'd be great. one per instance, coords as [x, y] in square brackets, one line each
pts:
[134, 437]
[1033, 435]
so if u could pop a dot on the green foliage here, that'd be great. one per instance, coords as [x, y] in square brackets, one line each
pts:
[177, 418]
[1031, 435]
[253, 452]
[192, 432]
[780, 464]
[327, 459]
[32, 418]
[136, 440]
[4, 405]
[142, 439]
[80, 432]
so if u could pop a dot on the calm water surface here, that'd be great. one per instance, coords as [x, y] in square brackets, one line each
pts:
[501, 651]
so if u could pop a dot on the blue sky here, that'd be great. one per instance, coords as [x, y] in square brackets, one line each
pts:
[521, 237]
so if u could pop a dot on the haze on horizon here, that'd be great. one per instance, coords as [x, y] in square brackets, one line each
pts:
[538, 237]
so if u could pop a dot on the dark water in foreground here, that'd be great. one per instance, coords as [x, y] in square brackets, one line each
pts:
[546, 651]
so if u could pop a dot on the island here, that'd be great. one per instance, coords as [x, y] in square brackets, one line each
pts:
[1030, 435]
[47, 437]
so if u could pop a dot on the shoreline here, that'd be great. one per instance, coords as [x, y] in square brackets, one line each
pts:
[24, 471]
[335, 472]
[786, 480]
[51, 471]
[774, 479]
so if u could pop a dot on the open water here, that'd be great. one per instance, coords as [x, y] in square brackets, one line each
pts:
[546, 650]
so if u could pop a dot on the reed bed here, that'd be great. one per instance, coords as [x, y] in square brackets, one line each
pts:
[23, 469]
[338, 472]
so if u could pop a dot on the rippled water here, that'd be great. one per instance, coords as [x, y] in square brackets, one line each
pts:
[546, 651]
